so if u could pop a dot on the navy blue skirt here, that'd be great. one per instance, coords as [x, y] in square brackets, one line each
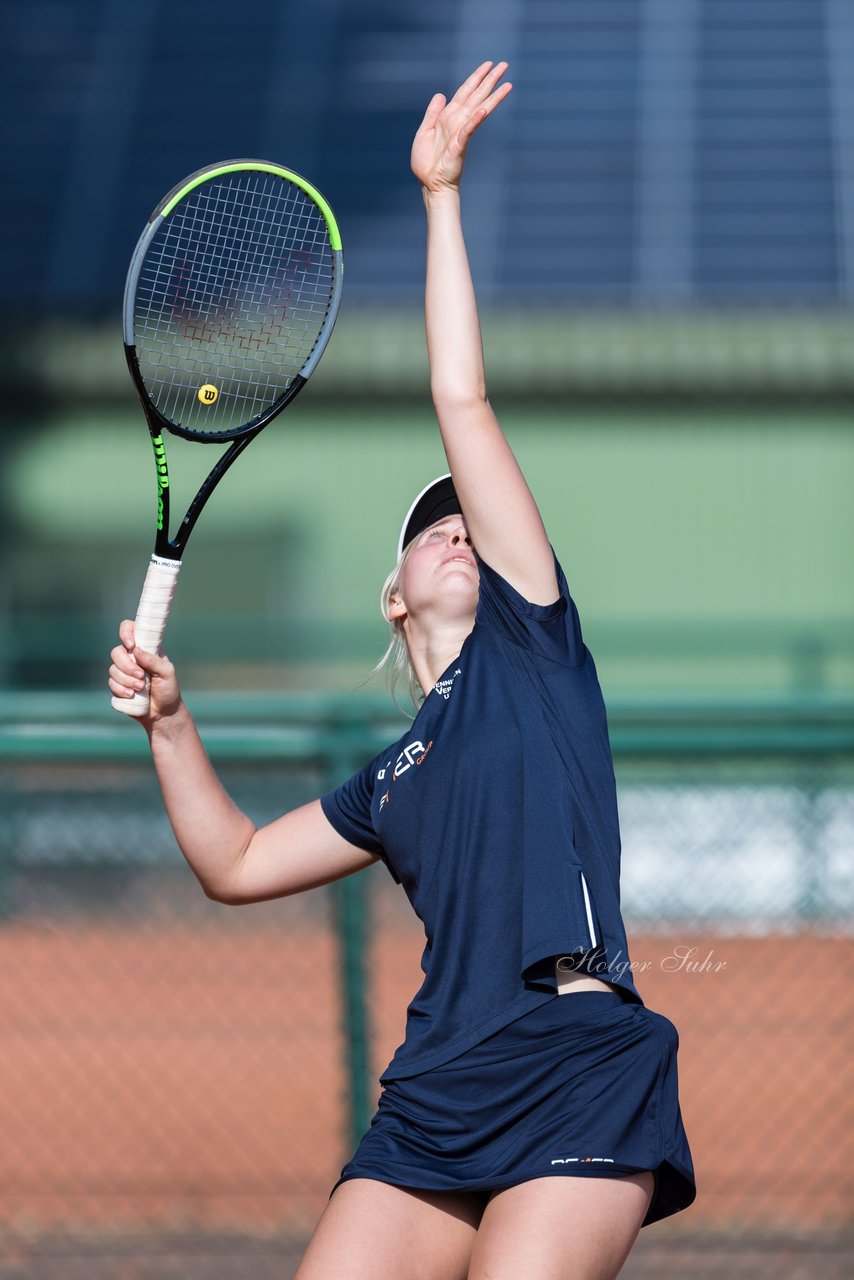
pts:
[584, 1085]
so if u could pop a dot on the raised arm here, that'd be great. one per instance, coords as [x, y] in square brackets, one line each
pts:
[234, 861]
[501, 514]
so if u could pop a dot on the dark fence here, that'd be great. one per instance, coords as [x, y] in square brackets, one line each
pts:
[181, 1081]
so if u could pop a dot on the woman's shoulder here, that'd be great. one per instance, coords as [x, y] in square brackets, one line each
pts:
[547, 631]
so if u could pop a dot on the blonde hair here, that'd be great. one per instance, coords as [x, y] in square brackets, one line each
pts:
[396, 658]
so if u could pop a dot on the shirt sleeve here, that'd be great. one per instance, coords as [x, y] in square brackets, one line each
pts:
[551, 631]
[348, 809]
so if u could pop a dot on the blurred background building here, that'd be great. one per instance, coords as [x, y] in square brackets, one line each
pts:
[662, 234]
[661, 227]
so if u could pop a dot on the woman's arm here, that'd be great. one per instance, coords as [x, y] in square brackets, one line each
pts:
[502, 517]
[233, 860]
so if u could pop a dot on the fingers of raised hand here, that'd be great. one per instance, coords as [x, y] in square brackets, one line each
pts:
[476, 119]
[473, 110]
[473, 83]
[494, 98]
[487, 94]
[480, 85]
[440, 144]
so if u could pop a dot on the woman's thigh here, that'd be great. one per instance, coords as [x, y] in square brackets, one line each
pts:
[372, 1231]
[561, 1228]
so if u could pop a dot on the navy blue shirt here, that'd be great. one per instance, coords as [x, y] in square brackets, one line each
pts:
[497, 813]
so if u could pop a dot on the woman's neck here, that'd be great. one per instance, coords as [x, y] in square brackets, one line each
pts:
[432, 651]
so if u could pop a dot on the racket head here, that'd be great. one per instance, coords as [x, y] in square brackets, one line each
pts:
[231, 297]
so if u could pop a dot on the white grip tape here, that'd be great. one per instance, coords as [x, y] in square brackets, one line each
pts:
[151, 615]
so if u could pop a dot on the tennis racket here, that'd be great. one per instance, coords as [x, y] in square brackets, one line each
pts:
[230, 300]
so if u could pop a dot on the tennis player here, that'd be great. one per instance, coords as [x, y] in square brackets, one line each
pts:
[529, 1125]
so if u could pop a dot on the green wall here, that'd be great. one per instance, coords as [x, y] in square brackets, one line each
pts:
[670, 524]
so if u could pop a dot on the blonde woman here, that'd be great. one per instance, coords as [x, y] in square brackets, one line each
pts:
[529, 1124]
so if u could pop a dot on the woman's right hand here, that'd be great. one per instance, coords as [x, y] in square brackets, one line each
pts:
[129, 668]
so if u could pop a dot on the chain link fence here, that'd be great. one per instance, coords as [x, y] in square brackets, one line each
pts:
[181, 1081]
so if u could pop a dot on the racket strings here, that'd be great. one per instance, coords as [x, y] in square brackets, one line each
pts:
[233, 294]
[209, 313]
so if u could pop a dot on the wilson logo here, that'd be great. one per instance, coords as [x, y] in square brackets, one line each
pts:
[160, 462]
[162, 475]
[208, 394]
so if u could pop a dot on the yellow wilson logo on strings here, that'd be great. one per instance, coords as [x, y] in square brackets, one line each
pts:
[208, 394]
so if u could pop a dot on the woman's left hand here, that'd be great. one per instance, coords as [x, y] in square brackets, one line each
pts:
[439, 148]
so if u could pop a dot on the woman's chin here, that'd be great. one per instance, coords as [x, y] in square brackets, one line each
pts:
[459, 591]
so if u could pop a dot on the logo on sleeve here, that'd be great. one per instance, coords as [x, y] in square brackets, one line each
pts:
[414, 753]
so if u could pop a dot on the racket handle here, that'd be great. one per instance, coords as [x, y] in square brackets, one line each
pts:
[154, 605]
